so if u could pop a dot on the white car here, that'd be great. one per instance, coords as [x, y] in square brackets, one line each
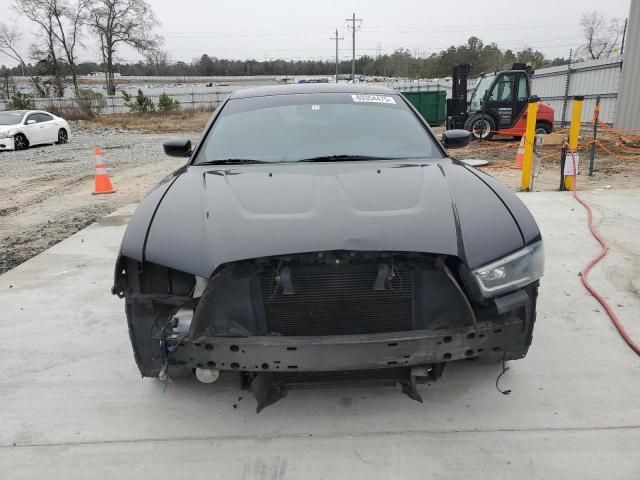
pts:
[21, 129]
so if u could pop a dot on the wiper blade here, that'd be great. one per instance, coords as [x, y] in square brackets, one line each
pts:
[232, 161]
[334, 158]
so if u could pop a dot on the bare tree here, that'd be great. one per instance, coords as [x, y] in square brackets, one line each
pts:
[6, 83]
[156, 58]
[68, 19]
[41, 13]
[116, 22]
[601, 35]
[10, 39]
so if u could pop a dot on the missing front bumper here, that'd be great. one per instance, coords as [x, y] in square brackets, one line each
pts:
[269, 387]
[349, 352]
[239, 323]
[273, 364]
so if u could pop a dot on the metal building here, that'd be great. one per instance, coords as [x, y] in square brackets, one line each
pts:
[591, 79]
[628, 114]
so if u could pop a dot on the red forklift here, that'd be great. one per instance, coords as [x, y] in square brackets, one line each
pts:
[498, 105]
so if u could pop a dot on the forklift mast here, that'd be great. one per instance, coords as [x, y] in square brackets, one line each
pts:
[457, 104]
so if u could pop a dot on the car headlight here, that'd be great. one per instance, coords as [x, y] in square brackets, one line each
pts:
[511, 272]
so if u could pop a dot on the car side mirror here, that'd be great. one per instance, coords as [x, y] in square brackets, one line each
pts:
[177, 147]
[30, 122]
[456, 138]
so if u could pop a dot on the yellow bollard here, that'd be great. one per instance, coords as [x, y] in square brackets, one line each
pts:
[529, 139]
[574, 133]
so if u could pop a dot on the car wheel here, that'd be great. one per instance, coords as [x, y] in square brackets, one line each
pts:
[543, 128]
[63, 136]
[481, 127]
[20, 142]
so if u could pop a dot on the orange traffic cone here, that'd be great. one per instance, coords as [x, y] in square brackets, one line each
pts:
[519, 155]
[102, 180]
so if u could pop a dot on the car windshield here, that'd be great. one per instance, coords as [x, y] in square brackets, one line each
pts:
[10, 118]
[316, 127]
[478, 94]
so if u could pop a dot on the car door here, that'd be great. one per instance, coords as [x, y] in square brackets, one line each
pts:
[48, 127]
[522, 97]
[502, 101]
[32, 129]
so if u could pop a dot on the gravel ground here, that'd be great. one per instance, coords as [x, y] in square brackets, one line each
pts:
[609, 172]
[46, 191]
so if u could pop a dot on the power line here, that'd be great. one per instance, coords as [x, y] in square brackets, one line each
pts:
[465, 27]
[353, 28]
[501, 44]
[337, 39]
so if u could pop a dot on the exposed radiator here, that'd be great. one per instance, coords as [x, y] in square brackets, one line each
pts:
[338, 301]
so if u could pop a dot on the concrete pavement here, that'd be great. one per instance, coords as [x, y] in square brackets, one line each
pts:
[75, 407]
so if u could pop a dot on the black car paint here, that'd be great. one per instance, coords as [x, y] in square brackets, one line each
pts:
[435, 206]
[177, 148]
[202, 218]
[264, 210]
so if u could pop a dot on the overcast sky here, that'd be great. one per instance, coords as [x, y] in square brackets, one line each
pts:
[301, 29]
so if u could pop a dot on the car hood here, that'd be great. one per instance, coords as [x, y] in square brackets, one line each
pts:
[207, 216]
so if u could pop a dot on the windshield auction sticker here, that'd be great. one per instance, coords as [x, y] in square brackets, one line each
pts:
[373, 99]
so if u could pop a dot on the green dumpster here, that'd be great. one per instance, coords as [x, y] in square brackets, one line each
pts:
[431, 105]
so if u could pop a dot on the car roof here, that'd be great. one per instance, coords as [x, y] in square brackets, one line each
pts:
[313, 88]
[24, 112]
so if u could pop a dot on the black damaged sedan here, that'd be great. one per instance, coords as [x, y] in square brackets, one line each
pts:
[322, 234]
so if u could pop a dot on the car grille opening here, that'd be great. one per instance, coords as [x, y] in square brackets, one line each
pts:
[338, 301]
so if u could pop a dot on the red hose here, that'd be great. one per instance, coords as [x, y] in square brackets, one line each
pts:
[585, 272]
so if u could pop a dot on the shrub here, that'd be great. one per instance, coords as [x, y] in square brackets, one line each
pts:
[167, 104]
[21, 101]
[70, 113]
[89, 103]
[138, 104]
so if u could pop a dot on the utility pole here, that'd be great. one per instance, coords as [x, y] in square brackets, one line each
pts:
[353, 28]
[337, 39]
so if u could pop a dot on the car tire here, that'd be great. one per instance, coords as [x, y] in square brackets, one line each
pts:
[481, 126]
[543, 128]
[20, 142]
[63, 137]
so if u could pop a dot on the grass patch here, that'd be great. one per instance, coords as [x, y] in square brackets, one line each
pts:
[181, 121]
